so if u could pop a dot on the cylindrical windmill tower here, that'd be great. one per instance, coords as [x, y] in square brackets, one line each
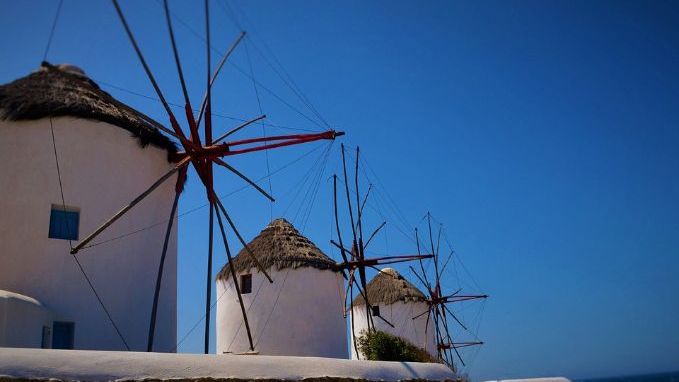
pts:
[71, 156]
[398, 301]
[299, 314]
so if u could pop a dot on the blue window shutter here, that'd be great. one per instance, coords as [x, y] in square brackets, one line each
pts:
[64, 224]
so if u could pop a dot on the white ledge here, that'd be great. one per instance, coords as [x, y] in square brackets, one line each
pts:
[89, 365]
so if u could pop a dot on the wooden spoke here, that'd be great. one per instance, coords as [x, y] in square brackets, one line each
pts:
[438, 242]
[437, 332]
[445, 308]
[431, 242]
[159, 276]
[188, 109]
[220, 162]
[365, 199]
[374, 233]
[175, 53]
[343, 250]
[206, 105]
[358, 211]
[239, 127]
[445, 298]
[141, 58]
[282, 141]
[346, 295]
[445, 264]
[453, 298]
[421, 314]
[462, 344]
[208, 285]
[447, 333]
[260, 267]
[353, 329]
[211, 81]
[395, 261]
[385, 320]
[339, 233]
[346, 187]
[424, 274]
[234, 277]
[419, 277]
[426, 327]
[364, 294]
[128, 207]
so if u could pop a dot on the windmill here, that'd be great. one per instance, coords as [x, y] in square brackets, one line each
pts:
[354, 260]
[202, 155]
[438, 301]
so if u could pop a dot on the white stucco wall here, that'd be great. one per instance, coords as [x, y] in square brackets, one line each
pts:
[77, 365]
[102, 169]
[22, 319]
[300, 314]
[401, 315]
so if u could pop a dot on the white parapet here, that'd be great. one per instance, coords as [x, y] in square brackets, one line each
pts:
[87, 365]
[542, 379]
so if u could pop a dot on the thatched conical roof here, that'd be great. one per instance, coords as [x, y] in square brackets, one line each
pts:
[389, 287]
[65, 90]
[279, 244]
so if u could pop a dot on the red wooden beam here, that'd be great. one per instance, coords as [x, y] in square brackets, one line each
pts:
[226, 149]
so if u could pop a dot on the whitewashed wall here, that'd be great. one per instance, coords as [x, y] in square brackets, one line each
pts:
[300, 314]
[21, 320]
[401, 315]
[102, 168]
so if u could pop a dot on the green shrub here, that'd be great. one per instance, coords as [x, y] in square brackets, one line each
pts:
[381, 346]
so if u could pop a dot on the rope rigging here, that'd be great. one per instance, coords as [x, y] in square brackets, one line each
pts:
[54, 27]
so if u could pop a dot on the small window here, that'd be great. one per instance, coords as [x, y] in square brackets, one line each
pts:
[245, 284]
[62, 336]
[375, 310]
[64, 223]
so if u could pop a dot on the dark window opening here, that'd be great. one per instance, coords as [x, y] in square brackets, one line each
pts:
[46, 333]
[245, 284]
[64, 223]
[62, 335]
[375, 310]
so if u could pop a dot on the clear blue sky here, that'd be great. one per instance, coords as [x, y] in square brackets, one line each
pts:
[544, 135]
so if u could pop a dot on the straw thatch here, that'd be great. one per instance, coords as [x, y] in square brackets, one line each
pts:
[279, 244]
[389, 287]
[65, 90]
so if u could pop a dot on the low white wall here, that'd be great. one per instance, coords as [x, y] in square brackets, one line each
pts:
[74, 365]
[401, 315]
[22, 320]
[300, 314]
[102, 169]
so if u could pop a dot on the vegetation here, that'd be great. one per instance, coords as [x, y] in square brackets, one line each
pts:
[381, 346]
